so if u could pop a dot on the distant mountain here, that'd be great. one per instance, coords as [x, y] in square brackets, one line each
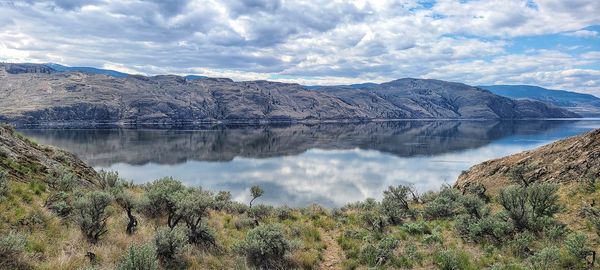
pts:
[32, 94]
[89, 70]
[584, 104]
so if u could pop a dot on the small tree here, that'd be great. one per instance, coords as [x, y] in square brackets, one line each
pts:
[395, 203]
[128, 202]
[577, 245]
[265, 247]
[107, 179]
[171, 245]
[162, 199]
[192, 206]
[517, 174]
[60, 179]
[139, 258]
[91, 215]
[255, 192]
[259, 212]
[222, 200]
[514, 201]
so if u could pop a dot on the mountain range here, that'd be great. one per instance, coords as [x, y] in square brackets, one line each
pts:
[41, 94]
[583, 104]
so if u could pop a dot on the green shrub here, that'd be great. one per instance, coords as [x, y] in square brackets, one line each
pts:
[380, 254]
[259, 212]
[192, 206]
[139, 258]
[577, 245]
[108, 180]
[222, 200]
[161, 199]
[532, 207]
[395, 203]
[521, 244]
[593, 216]
[283, 213]
[265, 247]
[374, 220]
[171, 245]
[444, 205]
[489, 229]
[4, 188]
[60, 179]
[417, 228]
[60, 203]
[452, 259]
[547, 258]
[91, 215]
[236, 208]
[12, 251]
[129, 204]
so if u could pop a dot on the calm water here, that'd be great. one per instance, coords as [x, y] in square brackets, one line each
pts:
[328, 164]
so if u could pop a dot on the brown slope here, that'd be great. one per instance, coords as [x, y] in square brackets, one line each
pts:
[24, 160]
[563, 161]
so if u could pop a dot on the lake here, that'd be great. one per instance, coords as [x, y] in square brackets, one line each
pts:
[327, 164]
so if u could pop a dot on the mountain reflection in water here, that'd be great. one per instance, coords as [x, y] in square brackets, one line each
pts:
[328, 164]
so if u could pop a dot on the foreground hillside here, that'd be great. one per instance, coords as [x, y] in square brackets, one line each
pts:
[55, 215]
[34, 94]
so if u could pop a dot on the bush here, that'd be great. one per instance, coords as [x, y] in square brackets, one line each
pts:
[222, 200]
[108, 180]
[60, 179]
[452, 259]
[12, 251]
[91, 215]
[593, 216]
[416, 228]
[192, 206]
[547, 258]
[374, 220]
[265, 247]
[395, 204]
[171, 245]
[161, 199]
[259, 212]
[60, 203]
[380, 254]
[531, 207]
[444, 205]
[283, 213]
[139, 258]
[491, 228]
[128, 203]
[578, 247]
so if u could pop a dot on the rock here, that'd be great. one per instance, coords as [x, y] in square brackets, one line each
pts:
[33, 96]
[568, 160]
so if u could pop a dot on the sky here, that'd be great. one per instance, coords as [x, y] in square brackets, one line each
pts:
[550, 43]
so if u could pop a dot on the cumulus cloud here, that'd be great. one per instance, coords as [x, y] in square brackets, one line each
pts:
[308, 41]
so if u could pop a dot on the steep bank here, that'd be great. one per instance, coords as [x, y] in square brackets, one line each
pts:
[25, 160]
[38, 94]
[568, 160]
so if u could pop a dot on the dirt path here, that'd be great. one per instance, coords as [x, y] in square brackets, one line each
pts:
[332, 255]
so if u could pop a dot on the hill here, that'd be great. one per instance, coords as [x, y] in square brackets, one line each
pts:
[584, 104]
[34, 94]
[574, 159]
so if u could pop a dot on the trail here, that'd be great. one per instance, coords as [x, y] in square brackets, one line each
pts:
[332, 255]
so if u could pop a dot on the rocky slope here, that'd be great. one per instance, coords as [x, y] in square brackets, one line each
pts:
[572, 159]
[25, 160]
[34, 94]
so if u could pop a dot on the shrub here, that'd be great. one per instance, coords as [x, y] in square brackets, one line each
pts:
[532, 207]
[474, 206]
[478, 190]
[514, 201]
[521, 243]
[91, 215]
[491, 228]
[416, 228]
[4, 189]
[12, 251]
[192, 206]
[108, 180]
[139, 258]
[259, 212]
[547, 258]
[578, 247]
[60, 179]
[171, 245]
[255, 192]
[161, 199]
[265, 247]
[593, 216]
[380, 254]
[395, 203]
[60, 203]
[128, 203]
[374, 220]
[222, 200]
[517, 174]
[283, 213]
[452, 259]
[236, 208]
[444, 205]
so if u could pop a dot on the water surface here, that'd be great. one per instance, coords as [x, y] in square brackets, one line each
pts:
[328, 164]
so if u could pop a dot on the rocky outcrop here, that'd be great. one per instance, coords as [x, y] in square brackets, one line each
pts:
[25, 160]
[30, 95]
[568, 160]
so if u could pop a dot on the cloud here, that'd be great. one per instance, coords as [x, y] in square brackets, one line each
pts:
[582, 34]
[308, 41]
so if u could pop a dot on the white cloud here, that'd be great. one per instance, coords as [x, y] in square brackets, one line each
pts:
[582, 34]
